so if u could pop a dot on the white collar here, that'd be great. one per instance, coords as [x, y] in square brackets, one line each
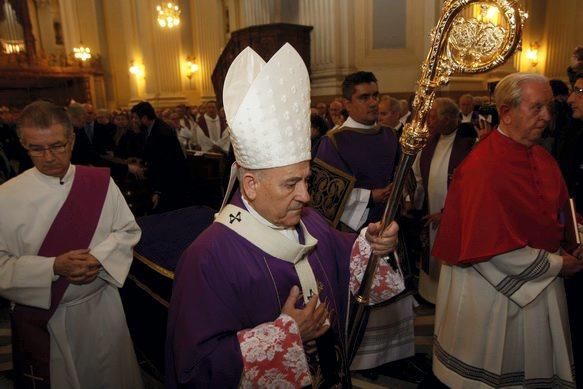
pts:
[207, 117]
[56, 181]
[290, 232]
[350, 122]
[448, 136]
[404, 118]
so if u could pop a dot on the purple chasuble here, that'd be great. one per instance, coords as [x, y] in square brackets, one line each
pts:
[72, 229]
[370, 156]
[225, 284]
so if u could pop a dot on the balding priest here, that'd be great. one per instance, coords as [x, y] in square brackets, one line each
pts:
[501, 314]
[261, 297]
[66, 238]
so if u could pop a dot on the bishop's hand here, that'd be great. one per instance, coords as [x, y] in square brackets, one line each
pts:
[311, 320]
[386, 242]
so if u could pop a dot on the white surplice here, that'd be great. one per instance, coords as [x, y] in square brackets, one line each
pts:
[215, 138]
[389, 335]
[355, 210]
[503, 323]
[90, 342]
[467, 118]
[437, 191]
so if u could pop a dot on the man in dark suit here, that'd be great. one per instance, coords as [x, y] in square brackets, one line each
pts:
[166, 164]
[89, 147]
[468, 117]
[98, 129]
[85, 151]
[104, 131]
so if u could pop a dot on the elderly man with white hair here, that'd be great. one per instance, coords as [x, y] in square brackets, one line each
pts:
[261, 297]
[501, 315]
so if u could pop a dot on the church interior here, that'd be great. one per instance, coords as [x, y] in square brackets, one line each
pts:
[101, 58]
[133, 58]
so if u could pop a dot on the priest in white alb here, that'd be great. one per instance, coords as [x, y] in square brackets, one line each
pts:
[211, 131]
[66, 238]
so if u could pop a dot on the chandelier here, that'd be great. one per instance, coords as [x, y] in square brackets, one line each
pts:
[82, 53]
[168, 15]
[12, 46]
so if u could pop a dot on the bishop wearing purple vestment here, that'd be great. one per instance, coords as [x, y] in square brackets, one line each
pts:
[260, 299]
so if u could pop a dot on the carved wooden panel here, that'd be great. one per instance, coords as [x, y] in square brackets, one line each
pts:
[29, 75]
[18, 89]
[329, 189]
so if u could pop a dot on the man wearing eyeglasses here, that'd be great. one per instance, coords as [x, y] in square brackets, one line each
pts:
[66, 238]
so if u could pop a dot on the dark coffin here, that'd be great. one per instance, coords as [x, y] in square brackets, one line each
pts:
[209, 170]
[147, 291]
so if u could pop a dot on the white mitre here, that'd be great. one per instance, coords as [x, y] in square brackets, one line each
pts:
[267, 106]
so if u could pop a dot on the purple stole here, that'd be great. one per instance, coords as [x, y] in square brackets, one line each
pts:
[72, 229]
[205, 128]
[460, 149]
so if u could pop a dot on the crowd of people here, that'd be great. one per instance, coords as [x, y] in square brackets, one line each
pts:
[129, 142]
[261, 298]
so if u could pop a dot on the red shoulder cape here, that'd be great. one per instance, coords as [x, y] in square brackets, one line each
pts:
[503, 196]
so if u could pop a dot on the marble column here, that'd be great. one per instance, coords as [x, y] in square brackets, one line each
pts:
[70, 24]
[562, 24]
[46, 17]
[160, 49]
[121, 35]
[332, 42]
[319, 13]
[80, 24]
[256, 12]
[209, 40]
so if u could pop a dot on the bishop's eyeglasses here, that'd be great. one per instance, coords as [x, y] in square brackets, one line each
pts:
[578, 91]
[54, 149]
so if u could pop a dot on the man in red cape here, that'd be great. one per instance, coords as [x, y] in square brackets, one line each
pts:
[501, 318]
